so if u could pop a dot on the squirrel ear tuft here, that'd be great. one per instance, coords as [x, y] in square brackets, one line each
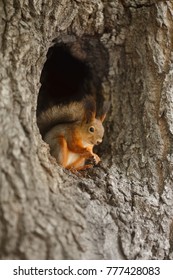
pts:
[102, 117]
[90, 109]
[106, 106]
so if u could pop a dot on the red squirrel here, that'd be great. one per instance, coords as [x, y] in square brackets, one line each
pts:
[72, 131]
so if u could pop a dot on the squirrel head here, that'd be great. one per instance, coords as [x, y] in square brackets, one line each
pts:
[92, 129]
[92, 132]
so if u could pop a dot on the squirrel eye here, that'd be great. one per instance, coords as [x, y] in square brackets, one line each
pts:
[91, 129]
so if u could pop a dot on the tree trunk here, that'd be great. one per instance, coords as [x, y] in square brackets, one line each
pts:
[122, 209]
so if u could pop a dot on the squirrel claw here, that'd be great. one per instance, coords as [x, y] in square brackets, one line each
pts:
[96, 158]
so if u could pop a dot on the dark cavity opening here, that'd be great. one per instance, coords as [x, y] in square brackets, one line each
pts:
[64, 78]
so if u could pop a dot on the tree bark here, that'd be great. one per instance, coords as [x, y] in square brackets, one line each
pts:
[122, 209]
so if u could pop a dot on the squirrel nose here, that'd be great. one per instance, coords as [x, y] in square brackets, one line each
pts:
[99, 141]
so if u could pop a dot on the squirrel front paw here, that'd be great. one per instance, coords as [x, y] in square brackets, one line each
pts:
[96, 158]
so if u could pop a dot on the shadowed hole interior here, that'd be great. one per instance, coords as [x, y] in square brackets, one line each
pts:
[63, 78]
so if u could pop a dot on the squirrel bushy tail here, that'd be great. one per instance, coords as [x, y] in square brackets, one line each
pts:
[62, 114]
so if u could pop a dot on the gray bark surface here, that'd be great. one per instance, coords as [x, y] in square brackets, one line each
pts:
[122, 209]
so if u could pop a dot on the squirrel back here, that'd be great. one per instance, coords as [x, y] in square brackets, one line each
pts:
[60, 114]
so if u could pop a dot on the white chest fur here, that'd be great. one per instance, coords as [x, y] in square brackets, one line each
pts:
[72, 157]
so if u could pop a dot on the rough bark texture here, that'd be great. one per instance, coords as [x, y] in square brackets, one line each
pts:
[124, 208]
